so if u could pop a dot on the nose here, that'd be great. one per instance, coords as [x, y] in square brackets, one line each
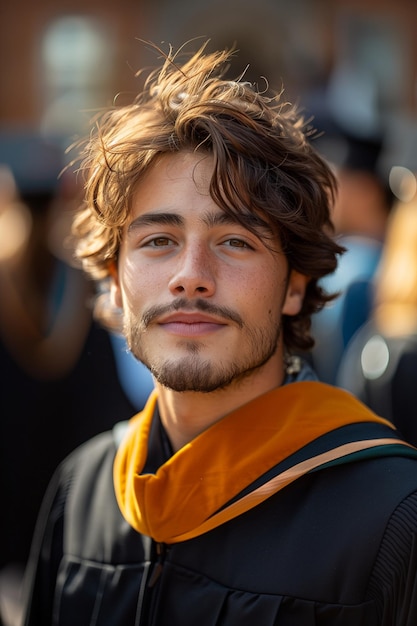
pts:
[193, 273]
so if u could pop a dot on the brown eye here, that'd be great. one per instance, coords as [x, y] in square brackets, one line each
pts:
[237, 243]
[160, 241]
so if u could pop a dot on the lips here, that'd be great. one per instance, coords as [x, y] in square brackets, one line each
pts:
[190, 324]
[189, 318]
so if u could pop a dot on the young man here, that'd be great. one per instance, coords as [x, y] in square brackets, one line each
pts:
[246, 492]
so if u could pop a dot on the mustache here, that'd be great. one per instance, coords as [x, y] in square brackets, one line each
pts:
[187, 305]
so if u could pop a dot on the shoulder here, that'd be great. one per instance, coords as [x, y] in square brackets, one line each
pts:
[82, 501]
[378, 498]
[79, 476]
[88, 469]
[395, 565]
[78, 471]
[91, 454]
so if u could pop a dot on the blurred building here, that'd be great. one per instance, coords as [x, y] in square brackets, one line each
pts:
[61, 60]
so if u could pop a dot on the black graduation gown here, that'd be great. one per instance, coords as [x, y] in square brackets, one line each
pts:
[336, 548]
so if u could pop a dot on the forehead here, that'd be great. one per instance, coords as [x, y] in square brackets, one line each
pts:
[179, 184]
[186, 171]
[176, 187]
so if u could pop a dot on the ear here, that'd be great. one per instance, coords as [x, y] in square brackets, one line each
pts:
[115, 291]
[294, 296]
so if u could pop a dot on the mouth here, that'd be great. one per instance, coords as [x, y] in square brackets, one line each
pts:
[190, 324]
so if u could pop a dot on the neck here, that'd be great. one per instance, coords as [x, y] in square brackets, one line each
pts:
[187, 414]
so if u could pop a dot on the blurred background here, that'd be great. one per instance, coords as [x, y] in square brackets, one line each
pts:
[60, 59]
[350, 64]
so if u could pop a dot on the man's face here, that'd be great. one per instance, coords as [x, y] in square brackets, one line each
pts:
[202, 295]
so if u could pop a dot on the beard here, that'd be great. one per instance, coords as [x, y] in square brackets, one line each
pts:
[193, 372]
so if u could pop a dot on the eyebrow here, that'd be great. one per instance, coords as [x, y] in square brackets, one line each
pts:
[250, 221]
[149, 219]
[174, 219]
[210, 219]
[218, 219]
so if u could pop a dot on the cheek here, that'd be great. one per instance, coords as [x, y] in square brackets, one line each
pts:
[141, 285]
[264, 298]
[272, 286]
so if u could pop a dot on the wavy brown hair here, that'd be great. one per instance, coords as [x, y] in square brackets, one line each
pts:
[264, 166]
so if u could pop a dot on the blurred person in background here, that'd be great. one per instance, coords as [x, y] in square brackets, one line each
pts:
[360, 216]
[245, 492]
[364, 199]
[380, 362]
[59, 383]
